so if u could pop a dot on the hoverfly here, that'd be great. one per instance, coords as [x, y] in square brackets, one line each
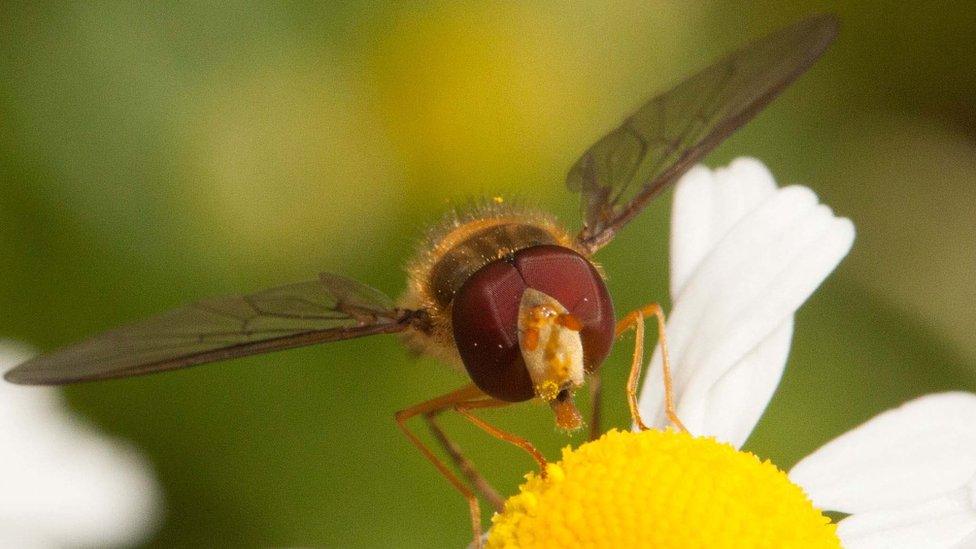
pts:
[505, 292]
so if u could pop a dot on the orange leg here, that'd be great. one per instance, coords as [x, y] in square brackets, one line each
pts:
[463, 400]
[595, 384]
[464, 408]
[440, 403]
[635, 319]
[467, 468]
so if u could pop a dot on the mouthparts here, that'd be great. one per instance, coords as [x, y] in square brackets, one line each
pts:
[567, 415]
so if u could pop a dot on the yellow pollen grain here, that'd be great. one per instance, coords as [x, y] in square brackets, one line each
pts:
[547, 390]
[661, 489]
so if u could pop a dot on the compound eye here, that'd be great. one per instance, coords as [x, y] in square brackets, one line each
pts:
[573, 281]
[485, 321]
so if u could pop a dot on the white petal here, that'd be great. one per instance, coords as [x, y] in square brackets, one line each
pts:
[911, 454]
[63, 483]
[706, 205]
[968, 542]
[942, 523]
[757, 374]
[729, 330]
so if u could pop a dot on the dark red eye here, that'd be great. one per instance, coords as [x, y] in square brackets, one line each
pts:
[574, 282]
[485, 315]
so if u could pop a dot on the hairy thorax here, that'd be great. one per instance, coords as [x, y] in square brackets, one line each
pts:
[464, 242]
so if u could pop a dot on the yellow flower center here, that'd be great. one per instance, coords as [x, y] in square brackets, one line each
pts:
[661, 489]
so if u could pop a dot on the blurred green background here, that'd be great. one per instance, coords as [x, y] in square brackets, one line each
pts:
[151, 155]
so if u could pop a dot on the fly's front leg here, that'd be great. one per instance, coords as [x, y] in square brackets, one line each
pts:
[465, 408]
[463, 401]
[595, 383]
[443, 402]
[467, 469]
[635, 319]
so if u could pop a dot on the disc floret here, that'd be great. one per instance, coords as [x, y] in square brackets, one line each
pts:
[661, 489]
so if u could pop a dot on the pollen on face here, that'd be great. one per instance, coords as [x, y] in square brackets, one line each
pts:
[547, 390]
[660, 489]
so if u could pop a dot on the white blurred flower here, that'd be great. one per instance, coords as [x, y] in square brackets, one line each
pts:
[62, 483]
[744, 256]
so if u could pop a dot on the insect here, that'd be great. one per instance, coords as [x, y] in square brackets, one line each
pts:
[505, 292]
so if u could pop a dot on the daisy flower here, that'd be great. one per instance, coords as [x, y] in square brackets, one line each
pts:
[62, 483]
[906, 476]
[744, 256]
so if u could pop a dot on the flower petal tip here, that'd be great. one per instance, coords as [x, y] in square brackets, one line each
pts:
[745, 255]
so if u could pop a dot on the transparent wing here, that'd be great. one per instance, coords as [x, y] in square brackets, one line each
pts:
[652, 148]
[328, 309]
